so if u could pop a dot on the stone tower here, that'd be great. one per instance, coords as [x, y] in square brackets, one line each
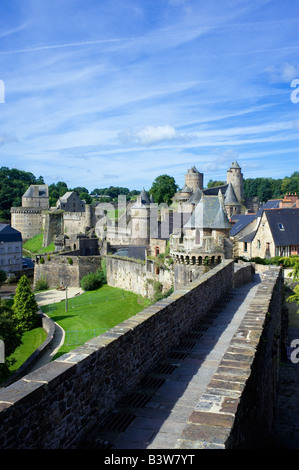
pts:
[194, 179]
[140, 219]
[235, 177]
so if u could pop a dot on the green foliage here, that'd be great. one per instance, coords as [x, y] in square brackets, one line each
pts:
[268, 188]
[113, 192]
[93, 281]
[70, 261]
[9, 334]
[56, 191]
[25, 307]
[13, 184]
[35, 245]
[41, 284]
[163, 189]
[213, 184]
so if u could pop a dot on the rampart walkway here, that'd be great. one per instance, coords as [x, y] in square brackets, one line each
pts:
[157, 414]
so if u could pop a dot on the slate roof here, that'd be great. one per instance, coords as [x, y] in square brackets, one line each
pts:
[136, 252]
[65, 197]
[289, 220]
[242, 220]
[214, 191]
[186, 189]
[196, 197]
[42, 190]
[208, 214]
[249, 237]
[9, 234]
[230, 197]
[235, 165]
[271, 204]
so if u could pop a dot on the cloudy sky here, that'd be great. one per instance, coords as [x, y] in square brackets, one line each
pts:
[117, 92]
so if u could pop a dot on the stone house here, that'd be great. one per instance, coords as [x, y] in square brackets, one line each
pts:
[10, 249]
[275, 233]
[70, 202]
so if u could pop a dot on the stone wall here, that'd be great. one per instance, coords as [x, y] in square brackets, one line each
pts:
[27, 221]
[137, 276]
[55, 406]
[243, 273]
[59, 272]
[237, 408]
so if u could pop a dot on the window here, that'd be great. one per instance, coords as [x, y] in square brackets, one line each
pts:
[259, 244]
[281, 227]
[245, 246]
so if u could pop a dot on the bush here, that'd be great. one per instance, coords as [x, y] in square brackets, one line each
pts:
[93, 281]
[41, 284]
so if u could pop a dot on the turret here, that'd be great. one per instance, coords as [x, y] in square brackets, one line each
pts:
[235, 177]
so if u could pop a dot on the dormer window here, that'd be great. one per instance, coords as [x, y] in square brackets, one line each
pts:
[281, 227]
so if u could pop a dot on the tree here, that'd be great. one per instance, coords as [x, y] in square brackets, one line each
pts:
[163, 189]
[213, 184]
[10, 335]
[25, 307]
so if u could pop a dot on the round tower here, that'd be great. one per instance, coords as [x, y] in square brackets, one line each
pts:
[235, 177]
[194, 179]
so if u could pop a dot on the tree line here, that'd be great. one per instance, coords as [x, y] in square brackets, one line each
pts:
[267, 188]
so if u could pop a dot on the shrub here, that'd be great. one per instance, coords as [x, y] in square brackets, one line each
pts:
[41, 284]
[93, 281]
[70, 261]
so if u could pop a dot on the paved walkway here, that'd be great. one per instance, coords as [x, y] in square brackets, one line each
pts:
[46, 298]
[155, 415]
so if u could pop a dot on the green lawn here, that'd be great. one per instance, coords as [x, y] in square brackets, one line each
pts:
[93, 313]
[31, 340]
[35, 245]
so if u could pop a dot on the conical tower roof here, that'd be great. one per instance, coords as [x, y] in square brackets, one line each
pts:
[230, 197]
[221, 221]
[144, 197]
[196, 197]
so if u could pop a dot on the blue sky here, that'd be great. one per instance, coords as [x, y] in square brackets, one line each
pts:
[117, 92]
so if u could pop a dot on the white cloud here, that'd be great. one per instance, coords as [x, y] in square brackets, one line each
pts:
[150, 135]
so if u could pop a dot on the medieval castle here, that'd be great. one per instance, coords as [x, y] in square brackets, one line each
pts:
[192, 234]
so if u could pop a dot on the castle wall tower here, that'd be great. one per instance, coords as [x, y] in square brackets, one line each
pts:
[235, 177]
[194, 179]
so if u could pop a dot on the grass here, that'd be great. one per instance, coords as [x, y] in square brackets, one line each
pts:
[35, 245]
[93, 313]
[31, 340]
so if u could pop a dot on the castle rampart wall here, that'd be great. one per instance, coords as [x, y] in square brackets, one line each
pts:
[56, 405]
[137, 276]
[60, 271]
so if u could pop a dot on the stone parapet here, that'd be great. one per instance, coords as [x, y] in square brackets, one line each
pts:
[236, 410]
[55, 406]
